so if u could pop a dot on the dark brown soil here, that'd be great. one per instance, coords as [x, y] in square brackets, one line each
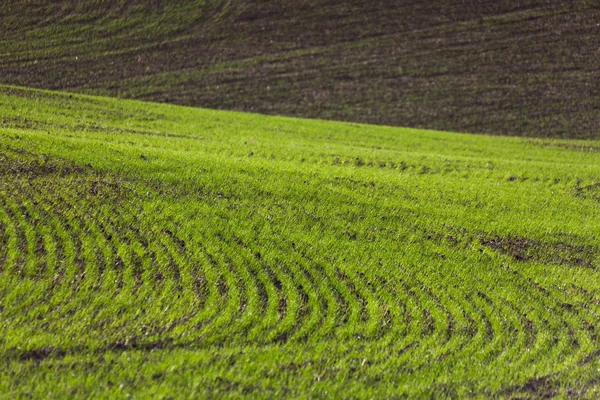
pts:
[524, 249]
[527, 68]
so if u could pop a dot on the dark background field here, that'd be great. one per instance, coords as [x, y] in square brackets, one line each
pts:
[506, 67]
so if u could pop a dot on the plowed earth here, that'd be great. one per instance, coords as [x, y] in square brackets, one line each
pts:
[528, 68]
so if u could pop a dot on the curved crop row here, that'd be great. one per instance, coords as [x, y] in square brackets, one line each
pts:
[222, 284]
[209, 261]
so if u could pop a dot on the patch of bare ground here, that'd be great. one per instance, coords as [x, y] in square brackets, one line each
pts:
[591, 191]
[525, 249]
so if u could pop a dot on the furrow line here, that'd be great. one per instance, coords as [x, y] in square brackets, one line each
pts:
[472, 324]
[359, 320]
[252, 307]
[400, 305]
[549, 326]
[444, 320]
[57, 251]
[40, 303]
[4, 238]
[11, 240]
[366, 321]
[47, 252]
[269, 287]
[231, 288]
[74, 219]
[329, 300]
[304, 309]
[216, 288]
[283, 295]
[36, 252]
[16, 267]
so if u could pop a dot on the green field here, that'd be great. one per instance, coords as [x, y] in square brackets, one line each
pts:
[167, 252]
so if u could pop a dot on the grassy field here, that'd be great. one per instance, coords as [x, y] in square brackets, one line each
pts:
[527, 68]
[162, 251]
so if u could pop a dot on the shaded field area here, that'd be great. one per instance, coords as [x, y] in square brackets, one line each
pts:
[527, 68]
[148, 247]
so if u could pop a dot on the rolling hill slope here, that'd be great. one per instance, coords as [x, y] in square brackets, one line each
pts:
[526, 68]
[160, 251]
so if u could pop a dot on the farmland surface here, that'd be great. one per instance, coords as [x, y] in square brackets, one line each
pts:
[164, 251]
[527, 68]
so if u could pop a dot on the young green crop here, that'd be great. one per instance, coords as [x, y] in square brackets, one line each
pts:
[163, 251]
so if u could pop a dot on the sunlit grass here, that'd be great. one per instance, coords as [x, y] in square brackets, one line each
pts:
[166, 251]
